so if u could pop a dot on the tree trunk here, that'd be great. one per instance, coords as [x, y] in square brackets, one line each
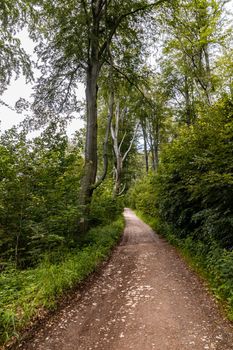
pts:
[118, 173]
[145, 146]
[156, 156]
[120, 158]
[209, 85]
[154, 143]
[90, 166]
[92, 74]
[153, 157]
[156, 140]
[187, 102]
[153, 166]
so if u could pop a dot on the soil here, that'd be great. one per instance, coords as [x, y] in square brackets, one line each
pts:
[145, 297]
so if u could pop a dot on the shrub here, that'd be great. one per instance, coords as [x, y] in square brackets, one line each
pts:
[105, 208]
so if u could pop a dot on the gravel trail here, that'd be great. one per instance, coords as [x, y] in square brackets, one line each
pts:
[144, 298]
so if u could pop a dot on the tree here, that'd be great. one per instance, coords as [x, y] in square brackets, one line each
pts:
[118, 99]
[78, 36]
[224, 69]
[194, 36]
[13, 58]
[39, 183]
[154, 116]
[120, 156]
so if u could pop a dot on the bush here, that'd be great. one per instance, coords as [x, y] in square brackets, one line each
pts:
[105, 208]
[142, 196]
[194, 185]
[39, 185]
[189, 199]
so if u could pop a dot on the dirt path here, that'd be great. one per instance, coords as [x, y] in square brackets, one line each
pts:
[145, 298]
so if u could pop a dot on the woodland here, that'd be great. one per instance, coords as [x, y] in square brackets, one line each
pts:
[158, 137]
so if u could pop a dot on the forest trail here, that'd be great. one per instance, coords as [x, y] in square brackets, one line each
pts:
[144, 298]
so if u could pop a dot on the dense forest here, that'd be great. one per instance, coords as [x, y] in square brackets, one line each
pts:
[158, 138]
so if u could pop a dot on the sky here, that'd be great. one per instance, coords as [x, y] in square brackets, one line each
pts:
[19, 88]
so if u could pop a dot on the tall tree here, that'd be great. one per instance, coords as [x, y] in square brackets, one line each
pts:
[120, 155]
[78, 36]
[154, 116]
[194, 35]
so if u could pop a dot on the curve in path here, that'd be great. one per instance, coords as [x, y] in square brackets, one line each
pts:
[145, 298]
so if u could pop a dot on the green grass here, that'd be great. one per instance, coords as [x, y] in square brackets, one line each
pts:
[23, 294]
[210, 261]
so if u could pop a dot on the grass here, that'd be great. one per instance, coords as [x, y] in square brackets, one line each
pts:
[23, 294]
[213, 263]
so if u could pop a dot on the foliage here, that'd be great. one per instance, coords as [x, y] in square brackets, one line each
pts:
[38, 194]
[189, 199]
[104, 207]
[66, 35]
[24, 294]
[42, 252]
[142, 195]
[13, 58]
[193, 187]
[188, 194]
[195, 179]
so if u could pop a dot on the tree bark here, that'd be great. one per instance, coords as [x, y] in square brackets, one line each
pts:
[120, 158]
[209, 85]
[154, 143]
[145, 145]
[92, 74]
[118, 173]
[105, 143]
[187, 102]
[153, 166]
[156, 150]
[90, 166]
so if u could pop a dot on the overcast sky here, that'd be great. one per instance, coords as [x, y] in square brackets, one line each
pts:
[19, 88]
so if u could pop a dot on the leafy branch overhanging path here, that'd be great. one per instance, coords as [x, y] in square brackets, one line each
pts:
[144, 298]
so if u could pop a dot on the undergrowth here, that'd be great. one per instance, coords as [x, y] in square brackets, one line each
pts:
[23, 294]
[212, 262]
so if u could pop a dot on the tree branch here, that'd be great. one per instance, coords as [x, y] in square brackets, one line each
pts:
[123, 138]
[72, 76]
[105, 153]
[131, 143]
[105, 143]
[106, 44]
[117, 69]
[121, 190]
